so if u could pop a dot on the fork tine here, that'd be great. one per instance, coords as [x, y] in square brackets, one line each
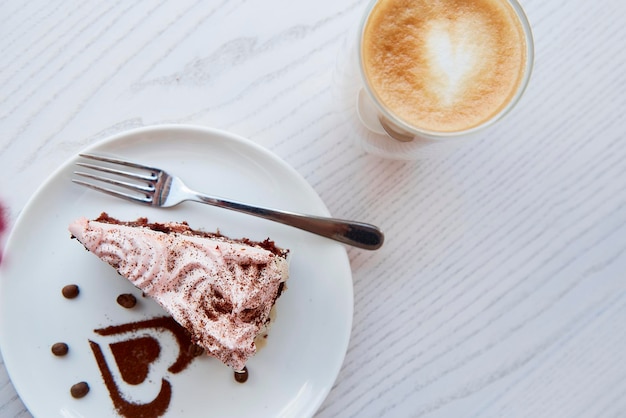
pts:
[144, 192]
[116, 193]
[131, 186]
[127, 174]
[119, 162]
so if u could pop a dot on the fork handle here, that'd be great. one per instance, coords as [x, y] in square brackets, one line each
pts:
[357, 234]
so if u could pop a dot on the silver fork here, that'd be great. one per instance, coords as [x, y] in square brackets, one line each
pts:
[153, 186]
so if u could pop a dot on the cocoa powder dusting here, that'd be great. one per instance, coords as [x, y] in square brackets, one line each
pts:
[133, 358]
[185, 355]
[156, 408]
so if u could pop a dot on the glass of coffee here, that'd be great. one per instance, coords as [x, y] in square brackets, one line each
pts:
[433, 72]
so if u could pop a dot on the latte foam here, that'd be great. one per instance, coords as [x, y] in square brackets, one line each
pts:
[444, 65]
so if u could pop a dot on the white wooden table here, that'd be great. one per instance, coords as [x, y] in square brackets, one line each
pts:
[501, 288]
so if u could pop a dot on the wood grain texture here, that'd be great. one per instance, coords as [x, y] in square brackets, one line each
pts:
[501, 287]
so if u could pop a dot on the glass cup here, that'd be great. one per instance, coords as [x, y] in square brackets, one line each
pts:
[384, 130]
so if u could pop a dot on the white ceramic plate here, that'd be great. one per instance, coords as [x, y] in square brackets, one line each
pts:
[290, 376]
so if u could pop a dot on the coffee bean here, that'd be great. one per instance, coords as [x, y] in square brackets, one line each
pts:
[59, 349]
[70, 291]
[241, 376]
[127, 300]
[79, 389]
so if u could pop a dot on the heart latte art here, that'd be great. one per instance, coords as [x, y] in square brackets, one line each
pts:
[444, 65]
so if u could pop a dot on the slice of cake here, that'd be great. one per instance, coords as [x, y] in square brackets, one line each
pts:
[220, 289]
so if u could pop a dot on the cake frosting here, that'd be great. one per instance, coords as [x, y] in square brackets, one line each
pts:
[221, 290]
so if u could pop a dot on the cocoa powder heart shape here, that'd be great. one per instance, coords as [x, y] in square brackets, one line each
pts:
[133, 358]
